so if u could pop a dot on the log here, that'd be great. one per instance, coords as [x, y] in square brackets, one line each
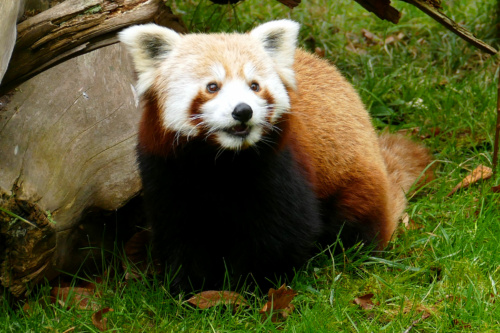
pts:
[75, 27]
[9, 12]
[68, 179]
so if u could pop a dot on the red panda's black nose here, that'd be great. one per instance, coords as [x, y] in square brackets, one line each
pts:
[242, 112]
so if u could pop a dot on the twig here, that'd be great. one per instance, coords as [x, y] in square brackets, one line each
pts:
[497, 128]
[384, 10]
[451, 25]
[18, 217]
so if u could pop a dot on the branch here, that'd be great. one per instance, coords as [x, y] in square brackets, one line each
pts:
[384, 10]
[497, 128]
[451, 25]
[75, 27]
[381, 8]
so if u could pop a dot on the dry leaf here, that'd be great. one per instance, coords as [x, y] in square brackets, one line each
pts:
[481, 172]
[496, 189]
[370, 37]
[409, 223]
[279, 303]
[136, 253]
[405, 219]
[290, 3]
[365, 301]
[210, 298]
[43, 302]
[319, 52]
[99, 322]
[392, 39]
[75, 296]
[461, 324]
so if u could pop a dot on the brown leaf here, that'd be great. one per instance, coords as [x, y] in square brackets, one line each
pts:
[365, 301]
[410, 224]
[480, 173]
[43, 302]
[496, 189]
[370, 37]
[210, 298]
[99, 321]
[319, 52]
[461, 324]
[279, 303]
[75, 296]
[137, 254]
[394, 38]
[290, 3]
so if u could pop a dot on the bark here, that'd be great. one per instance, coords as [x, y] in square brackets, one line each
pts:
[8, 16]
[75, 27]
[68, 179]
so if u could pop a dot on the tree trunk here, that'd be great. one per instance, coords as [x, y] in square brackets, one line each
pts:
[67, 166]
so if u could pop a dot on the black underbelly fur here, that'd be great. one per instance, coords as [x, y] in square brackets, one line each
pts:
[251, 212]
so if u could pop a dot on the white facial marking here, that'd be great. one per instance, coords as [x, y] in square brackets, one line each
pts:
[219, 72]
[176, 109]
[167, 63]
[249, 70]
[217, 114]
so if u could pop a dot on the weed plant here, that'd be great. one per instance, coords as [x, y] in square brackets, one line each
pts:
[441, 274]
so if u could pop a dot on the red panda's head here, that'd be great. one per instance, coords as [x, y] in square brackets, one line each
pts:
[230, 89]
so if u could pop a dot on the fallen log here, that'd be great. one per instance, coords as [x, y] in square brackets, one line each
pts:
[68, 180]
[75, 27]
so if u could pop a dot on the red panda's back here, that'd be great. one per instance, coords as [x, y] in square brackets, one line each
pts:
[330, 126]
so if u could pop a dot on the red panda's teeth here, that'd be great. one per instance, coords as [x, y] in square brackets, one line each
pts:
[241, 130]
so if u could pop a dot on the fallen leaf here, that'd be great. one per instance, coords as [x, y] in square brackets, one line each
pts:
[290, 3]
[496, 189]
[75, 296]
[279, 303]
[99, 321]
[370, 37]
[405, 219]
[461, 324]
[365, 301]
[211, 298]
[394, 38]
[43, 302]
[137, 254]
[480, 173]
[319, 52]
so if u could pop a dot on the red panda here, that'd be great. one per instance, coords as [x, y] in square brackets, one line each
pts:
[252, 151]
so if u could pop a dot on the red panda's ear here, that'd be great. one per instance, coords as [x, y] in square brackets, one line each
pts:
[148, 45]
[279, 39]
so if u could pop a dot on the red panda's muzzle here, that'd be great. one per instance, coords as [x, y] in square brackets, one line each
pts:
[241, 130]
[242, 113]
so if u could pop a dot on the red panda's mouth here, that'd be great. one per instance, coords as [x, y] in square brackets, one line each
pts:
[241, 130]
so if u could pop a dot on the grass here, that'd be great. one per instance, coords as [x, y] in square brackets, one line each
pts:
[443, 274]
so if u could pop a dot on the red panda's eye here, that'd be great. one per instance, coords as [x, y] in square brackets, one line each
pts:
[212, 87]
[255, 86]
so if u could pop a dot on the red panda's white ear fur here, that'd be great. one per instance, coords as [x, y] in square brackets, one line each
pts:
[148, 45]
[279, 39]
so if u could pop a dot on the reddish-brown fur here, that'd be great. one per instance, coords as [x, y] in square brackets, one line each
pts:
[333, 135]
[333, 139]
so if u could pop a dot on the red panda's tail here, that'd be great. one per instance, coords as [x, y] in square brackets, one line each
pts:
[407, 165]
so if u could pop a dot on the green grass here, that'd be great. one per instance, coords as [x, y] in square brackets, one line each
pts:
[440, 277]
